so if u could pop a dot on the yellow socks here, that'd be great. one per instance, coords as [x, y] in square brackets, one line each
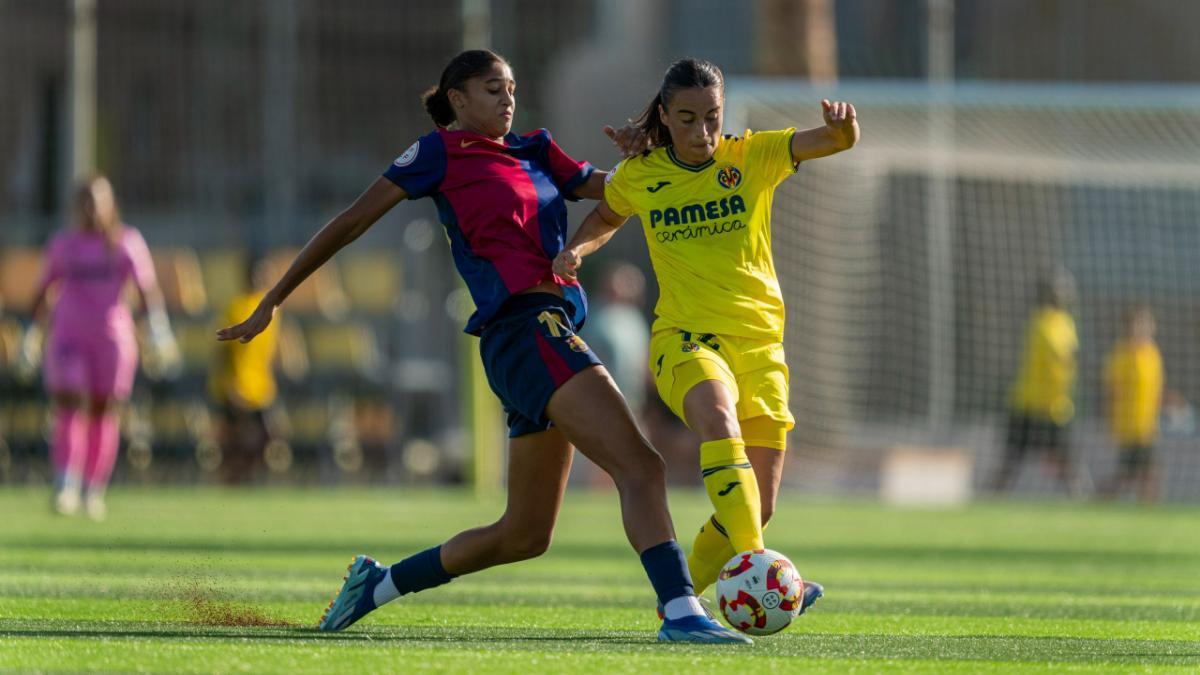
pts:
[733, 490]
[710, 551]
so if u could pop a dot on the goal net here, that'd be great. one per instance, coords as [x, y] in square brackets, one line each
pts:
[909, 265]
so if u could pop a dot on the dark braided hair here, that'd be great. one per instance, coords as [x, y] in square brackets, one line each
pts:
[461, 68]
[683, 74]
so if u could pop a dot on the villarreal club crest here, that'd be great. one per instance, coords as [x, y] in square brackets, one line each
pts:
[729, 177]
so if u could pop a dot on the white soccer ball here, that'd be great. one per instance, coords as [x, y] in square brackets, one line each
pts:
[760, 592]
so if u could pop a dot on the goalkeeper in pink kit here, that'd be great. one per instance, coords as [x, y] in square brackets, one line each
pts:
[91, 351]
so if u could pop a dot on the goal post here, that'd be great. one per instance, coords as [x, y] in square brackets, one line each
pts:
[907, 303]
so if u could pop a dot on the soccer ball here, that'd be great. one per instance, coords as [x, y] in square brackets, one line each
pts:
[760, 592]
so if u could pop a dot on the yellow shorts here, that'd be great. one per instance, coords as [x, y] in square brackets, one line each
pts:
[754, 370]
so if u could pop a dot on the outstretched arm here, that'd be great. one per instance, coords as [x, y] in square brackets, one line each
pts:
[839, 133]
[343, 229]
[599, 226]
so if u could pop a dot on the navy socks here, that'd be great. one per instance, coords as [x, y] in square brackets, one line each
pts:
[421, 571]
[667, 568]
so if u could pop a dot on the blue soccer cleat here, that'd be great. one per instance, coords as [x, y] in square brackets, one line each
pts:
[700, 630]
[812, 592]
[357, 597]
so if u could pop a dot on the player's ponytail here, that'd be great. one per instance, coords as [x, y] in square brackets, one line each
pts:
[651, 124]
[437, 104]
[461, 68]
[683, 74]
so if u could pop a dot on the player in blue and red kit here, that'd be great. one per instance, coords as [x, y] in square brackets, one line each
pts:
[501, 198]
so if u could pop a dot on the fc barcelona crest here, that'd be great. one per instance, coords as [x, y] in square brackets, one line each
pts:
[577, 344]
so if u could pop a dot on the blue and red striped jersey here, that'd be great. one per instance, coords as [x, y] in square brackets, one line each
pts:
[503, 207]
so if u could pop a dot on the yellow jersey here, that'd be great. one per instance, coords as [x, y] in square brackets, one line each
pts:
[1133, 374]
[245, 372]
[1043, 386]
[708, 229]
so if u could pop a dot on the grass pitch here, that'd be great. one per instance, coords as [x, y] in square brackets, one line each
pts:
[183, 580]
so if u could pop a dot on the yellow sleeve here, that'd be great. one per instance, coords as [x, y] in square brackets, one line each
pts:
[770, 154]
[616, 190]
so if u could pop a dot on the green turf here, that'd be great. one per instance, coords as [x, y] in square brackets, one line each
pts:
[996, 587]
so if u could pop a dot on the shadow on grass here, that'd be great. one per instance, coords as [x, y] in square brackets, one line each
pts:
[1051, 649]
[460, 634]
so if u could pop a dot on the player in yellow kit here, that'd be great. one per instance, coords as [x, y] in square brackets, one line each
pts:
[716, 351]
[242, 385]
[1041, 402]
[1133, 382]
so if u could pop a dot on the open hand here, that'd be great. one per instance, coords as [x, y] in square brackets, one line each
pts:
[255, 324]
[630, 140]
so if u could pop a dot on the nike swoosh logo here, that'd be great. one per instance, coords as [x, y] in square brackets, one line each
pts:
[729, 488]
[656, 188]
[466, 144]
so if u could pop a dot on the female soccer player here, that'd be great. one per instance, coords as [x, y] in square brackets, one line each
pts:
[1041, 401]
[501, 199]
[91, 357]
[705, 204]
[1133, 382]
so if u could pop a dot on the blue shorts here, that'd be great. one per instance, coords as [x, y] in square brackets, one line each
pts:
[529, 350]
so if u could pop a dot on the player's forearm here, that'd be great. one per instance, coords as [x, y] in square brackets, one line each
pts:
[592, 234]
[347, 226]
[153, 303]
[336, 234]
[820, 142]
[39, 301]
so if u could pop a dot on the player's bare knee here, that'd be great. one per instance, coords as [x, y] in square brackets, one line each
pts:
[717, 423]
[517, 539]
[653, 466]
[528, 545]
[644, 470]
[768, 509]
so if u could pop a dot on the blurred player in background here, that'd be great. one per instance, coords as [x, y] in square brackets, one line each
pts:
[1041, 401]
[716, 351]
[1133, 383]
[618, 331]
[501, 198]
[620, 336]
[91, 349]
[242, 385]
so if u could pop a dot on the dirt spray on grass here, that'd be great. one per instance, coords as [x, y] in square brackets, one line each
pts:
[201, 603]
